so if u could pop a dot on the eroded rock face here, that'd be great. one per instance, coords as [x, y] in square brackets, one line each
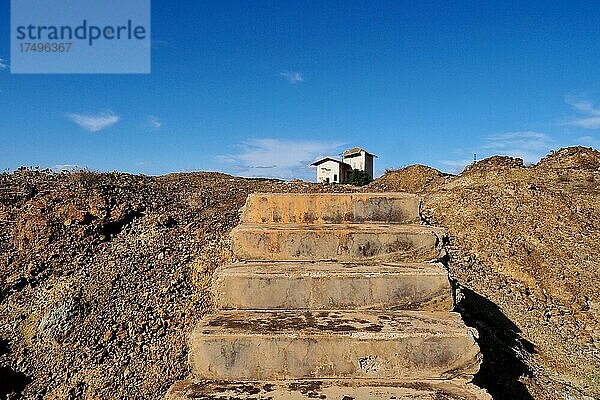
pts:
[576, 158]
[497, 163]
[412, 179]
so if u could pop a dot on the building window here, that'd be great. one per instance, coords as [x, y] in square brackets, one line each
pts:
[335, 177]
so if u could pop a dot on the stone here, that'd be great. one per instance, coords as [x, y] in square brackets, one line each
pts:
[326, 390]
[329, 286]
[283, 208]
[333, 296]
[275, 345]
[343, 242]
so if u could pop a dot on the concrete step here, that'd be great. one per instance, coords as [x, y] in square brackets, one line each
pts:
[275, 345]
[337, 208]
[340, 242]
[330, 286]
[327, 390]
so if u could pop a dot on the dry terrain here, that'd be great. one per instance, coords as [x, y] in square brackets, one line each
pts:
[102, 276]
[525, 244]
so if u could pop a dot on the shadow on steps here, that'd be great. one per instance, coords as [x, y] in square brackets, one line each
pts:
[502, 347]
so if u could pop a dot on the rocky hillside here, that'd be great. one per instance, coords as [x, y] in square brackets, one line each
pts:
[527, 239]
[103, 275]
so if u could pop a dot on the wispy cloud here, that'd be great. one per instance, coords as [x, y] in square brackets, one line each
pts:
[95, 122]
[277, 158]
[528, 145]
[154, 122]
[292, 77]
[3, 64]
[589, 117]
[589, 141]
[455, 166]
[67, 168]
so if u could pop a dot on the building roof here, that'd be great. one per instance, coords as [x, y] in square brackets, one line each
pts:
[356, 150]
[325, 159]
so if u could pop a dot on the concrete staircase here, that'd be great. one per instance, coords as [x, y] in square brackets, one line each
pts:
[335, 296]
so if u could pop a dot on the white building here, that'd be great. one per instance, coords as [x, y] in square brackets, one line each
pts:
[359, 159]
[331, 170]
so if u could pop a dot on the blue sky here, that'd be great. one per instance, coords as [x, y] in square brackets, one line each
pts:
[263, 88]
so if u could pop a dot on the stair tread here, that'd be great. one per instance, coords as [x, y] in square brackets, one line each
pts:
[356, 389]
[364, 324]
[390, 195]
[309, 268]
[364, 227]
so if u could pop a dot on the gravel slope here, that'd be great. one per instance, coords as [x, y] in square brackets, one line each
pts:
[528, 240]
[103, 275]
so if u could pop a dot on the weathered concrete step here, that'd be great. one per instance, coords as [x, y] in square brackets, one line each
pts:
[327, 390]
[337, 208]
[275, 345]
[330, 286]
[340, 242]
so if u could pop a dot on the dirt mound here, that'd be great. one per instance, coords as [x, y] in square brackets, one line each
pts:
[527, 239]
[496, 163]
[579, 158]
[103, 275]
[413, 179]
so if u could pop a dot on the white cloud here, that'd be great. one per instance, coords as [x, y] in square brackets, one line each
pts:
[67, 168]
[528, 145]
[455, 166]
[278, 158]
[154, 122]
[292, 77]
[95, 122]
[3, 64]
[589, 141]
[581, 104]
[590, 115]
[531, 146]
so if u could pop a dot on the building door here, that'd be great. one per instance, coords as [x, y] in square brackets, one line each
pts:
[335, 177]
